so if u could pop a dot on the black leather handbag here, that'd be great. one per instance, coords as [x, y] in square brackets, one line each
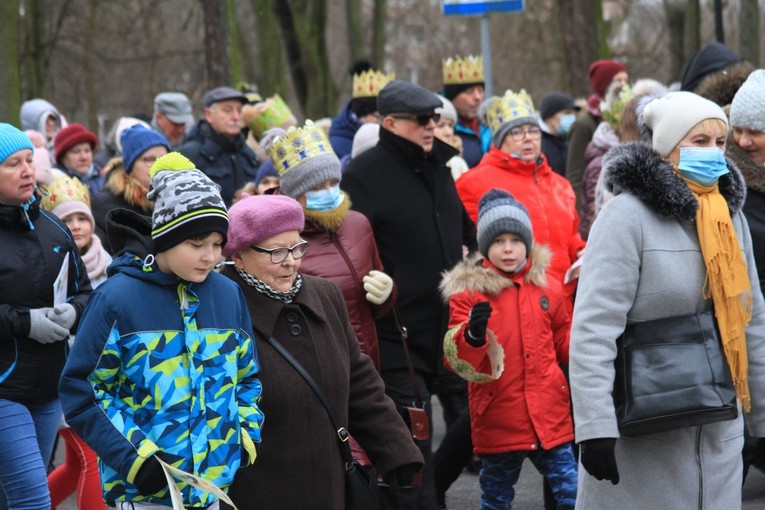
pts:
[360, 488]
[671, 373]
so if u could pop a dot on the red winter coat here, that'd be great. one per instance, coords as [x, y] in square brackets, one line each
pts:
[345, 256]
[547, 196]
[528, 405]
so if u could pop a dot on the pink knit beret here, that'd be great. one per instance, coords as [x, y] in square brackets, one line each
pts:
[253, 219]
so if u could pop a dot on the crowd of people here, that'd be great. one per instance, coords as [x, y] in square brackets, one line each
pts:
[213, 295]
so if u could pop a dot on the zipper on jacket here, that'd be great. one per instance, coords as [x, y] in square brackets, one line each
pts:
[336, 241]
[698, 466]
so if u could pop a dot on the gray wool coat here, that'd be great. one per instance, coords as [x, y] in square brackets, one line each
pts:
[643, 262]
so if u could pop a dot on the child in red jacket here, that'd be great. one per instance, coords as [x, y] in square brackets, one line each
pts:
[508, 336]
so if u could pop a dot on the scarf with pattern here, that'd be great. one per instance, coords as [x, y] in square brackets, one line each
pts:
[268, 291]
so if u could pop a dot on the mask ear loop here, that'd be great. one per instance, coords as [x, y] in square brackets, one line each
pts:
[224, 263]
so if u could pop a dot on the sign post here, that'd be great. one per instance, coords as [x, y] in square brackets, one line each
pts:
[483, 8]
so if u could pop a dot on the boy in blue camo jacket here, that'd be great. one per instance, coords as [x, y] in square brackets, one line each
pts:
[164, 363]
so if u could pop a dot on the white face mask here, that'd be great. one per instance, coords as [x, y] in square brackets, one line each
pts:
[566, 121]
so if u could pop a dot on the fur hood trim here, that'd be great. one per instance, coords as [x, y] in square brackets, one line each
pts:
[753, 172]
[471, 276]
[721, 86]
[638, 169]
[121, 184]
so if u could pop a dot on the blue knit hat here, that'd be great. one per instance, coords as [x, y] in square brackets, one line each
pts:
[137, 140]
[266, 169]
[500, 213]
[12, 140]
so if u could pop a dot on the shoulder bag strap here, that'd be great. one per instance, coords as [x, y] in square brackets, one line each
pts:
[342, 432]
[404, 336]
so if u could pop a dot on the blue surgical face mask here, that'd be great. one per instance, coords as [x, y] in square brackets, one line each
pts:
[323, 199]
[566, 121]
[704, 165]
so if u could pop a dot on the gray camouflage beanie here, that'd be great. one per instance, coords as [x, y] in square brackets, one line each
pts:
[187, 203]
[748, 107]
[500, 213]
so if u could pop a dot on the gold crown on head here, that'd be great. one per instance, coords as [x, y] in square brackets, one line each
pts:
[460, 71]
[369, 83]
[511, 106]
[64, 189]
[273, 112]
[298, 146]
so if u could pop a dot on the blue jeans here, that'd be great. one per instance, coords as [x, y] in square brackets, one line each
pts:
[500, 473]
[26, 445]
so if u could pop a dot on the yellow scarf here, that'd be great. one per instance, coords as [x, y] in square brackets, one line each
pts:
[727, 281]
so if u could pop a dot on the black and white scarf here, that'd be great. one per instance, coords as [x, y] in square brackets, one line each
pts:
[266, 290]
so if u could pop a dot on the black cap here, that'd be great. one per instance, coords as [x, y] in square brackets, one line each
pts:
[710, 59]
[554, 102]
[400, 96]
[221, 94]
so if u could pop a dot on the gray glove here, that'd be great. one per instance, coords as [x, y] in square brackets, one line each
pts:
[44, 330]
[64, 315]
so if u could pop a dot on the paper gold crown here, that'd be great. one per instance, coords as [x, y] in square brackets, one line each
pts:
[273, 112]
[64, 189]
[369, 83]
[298, 146]
[511, 106]
[462, 71]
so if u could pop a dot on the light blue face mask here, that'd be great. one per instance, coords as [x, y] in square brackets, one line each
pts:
[323, 199]
[704, 165]
[566, 121]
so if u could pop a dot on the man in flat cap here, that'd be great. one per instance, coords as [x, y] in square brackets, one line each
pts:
[403, 186]
[217, 146]
[172, 116]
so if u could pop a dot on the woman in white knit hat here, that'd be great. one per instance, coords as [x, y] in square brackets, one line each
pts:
[673, 243]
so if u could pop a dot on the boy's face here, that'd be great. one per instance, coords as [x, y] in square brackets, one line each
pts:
[193, 259]
[507, 252]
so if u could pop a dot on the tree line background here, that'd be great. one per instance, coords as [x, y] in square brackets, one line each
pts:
[98, 60]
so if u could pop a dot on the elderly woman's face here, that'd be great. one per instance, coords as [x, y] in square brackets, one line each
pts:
[279, 277]
[753, 142]
[707, 133]
[17, 178]
[524, 141]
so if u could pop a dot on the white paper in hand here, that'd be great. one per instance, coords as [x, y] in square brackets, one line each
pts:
[61, 285]
[572, 273]
[173, 473]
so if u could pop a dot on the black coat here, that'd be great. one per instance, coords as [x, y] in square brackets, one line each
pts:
[754, 206]
[420, 226]
[30, 260]
[230, 163]
[555, 150]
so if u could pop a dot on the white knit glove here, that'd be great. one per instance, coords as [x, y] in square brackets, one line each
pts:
[64, 315]
[378, 286]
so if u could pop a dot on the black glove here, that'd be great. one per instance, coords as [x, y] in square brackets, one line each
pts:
[479, 318]
[402, 476]
[150, 478]
[597, 456]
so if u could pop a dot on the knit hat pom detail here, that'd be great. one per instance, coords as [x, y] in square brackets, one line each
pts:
[171, 161]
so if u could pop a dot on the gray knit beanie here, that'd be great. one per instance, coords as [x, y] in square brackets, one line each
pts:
[304, 159]
[748, 107]
[187, 203]
[500, 213]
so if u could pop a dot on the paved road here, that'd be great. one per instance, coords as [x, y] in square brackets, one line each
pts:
[465, 493]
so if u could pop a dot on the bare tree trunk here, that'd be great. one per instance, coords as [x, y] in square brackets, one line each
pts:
[34, 66]
[91, 107]
[749, 31]
[380, 21]
[692, 29]
[216, 43]
[580, 38]
[10, 80]
[303, 25]
[355, 30]
[235, 64]
[676, 28]
[270, 76]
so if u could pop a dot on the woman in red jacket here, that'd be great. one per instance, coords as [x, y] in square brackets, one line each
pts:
[516, 164]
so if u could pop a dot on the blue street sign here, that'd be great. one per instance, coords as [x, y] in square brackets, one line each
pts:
[478, 7]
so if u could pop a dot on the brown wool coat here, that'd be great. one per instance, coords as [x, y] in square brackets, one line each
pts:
[299, 463]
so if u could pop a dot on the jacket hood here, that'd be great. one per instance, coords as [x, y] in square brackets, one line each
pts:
[121, 184]
[472, 276]
[345, 124]
[128, 231]
[712, 58]
[34, 113]
[638, 169]
[753, 172]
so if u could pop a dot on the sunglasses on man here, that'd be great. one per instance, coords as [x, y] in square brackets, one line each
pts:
[423, 119]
